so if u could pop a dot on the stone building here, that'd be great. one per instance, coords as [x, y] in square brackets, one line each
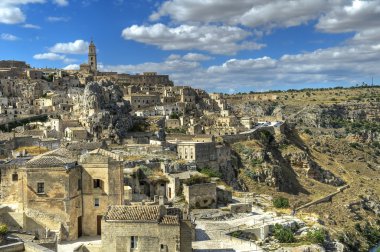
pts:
[172, 123]
[145, 79]
[34, 74]
[91, 67]
[76, 134]
[102, 186]
[146, 228]
[51, 194]
[200, 195]
[197, 151]
[143, 100]
[56, 193]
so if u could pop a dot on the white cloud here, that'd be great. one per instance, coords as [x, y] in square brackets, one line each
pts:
[10, 12]
[61, 2]
[196, 57]
[252, 13]
[49, 56]
[31, 26]
[11, 15]
[211, 38]
[77, 47]
[341, 65]
[8, 37]
[71, 67]
[57, 19]
[357, 15]
[53, 57]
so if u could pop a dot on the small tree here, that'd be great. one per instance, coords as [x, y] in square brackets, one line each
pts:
[280, 202]
[283, 234]
[316, 236]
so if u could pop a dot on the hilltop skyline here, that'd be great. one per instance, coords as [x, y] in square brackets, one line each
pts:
[215, 45]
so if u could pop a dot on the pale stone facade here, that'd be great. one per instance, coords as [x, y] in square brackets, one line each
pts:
[200, 195]
[146, 228]
[102, 186]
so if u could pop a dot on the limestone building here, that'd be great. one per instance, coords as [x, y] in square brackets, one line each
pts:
[92, 60]
[146, 228]
[102, 186]
[54, 192]
[91, 67]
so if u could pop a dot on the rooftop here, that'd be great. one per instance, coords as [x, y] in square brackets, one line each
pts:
[133, 213]
[142, 213]
[55, 158]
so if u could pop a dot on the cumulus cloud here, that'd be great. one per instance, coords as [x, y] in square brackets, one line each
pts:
[11, 13]
[341, 65]
[196, 57]
[53, 57]
[48, 56]
[77, 47]
[357, 15]
[8, 37]
[71, 67]
[252, 13]
[211, 38]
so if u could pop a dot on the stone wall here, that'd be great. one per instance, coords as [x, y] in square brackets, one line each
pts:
[224, 196]
[240, 208]
[116, 236]
[14, 247]
[33, 247]
[110, 192]
[200, 195]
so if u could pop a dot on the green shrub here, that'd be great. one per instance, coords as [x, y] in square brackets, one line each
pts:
[372, 234]
[196, 179]
[3, 229]
[283, 235]
[280, 202]
[316, 236]
[210, 172]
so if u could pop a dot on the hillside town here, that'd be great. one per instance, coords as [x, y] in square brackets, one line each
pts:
[106, 161]
[125, 157]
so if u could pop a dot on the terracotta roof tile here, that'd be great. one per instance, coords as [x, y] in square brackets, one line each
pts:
[170, 220]
[137, 213]
[54, 158]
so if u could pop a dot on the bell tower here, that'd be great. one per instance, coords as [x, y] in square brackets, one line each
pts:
[92, 61]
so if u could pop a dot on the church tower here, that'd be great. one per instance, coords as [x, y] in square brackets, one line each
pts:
[92, 61]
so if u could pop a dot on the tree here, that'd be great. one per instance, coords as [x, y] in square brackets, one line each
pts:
[280, 202]
[283, 234]
[316, 236]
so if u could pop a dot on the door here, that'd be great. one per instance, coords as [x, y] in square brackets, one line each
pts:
[79, 226]
[99, 224]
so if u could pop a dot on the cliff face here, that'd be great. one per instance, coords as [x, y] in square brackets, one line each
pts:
[104, 112]
[280, 163]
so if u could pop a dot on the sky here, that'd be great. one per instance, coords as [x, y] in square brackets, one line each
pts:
[218, 45]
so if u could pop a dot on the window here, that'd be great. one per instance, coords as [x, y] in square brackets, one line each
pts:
[98, 183]
[41, 187]
[79, 184]
[134, 242]
[96, 202]
[14, 177]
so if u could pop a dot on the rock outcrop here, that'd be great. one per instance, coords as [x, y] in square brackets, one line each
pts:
[104, 112]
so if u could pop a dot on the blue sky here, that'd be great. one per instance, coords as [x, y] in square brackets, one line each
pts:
[218, 45]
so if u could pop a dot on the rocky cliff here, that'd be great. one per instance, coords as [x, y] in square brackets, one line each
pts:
[104, 112]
